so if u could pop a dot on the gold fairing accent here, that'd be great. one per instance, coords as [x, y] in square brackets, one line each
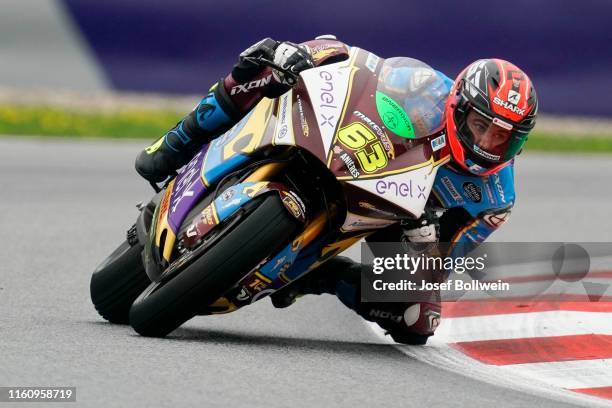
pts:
[163, 225]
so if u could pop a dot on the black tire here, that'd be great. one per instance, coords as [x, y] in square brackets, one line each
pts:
[164, 306]
[117, 282]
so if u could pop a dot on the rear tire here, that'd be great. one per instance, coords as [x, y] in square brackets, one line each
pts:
[165, 305]
[117, 282]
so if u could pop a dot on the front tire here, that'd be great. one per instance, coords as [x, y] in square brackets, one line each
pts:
[117, 282]
[165, 305]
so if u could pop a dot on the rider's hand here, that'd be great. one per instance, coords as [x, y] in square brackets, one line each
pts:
[286, 55]
[250, 60]
[293, 58]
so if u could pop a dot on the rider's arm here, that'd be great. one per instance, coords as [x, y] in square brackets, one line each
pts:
[231, 98]
[248, 82]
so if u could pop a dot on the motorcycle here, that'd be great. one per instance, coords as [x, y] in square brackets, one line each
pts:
[352, 148]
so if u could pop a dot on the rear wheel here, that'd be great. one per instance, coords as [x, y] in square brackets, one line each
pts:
[118, 281]
[165, 305]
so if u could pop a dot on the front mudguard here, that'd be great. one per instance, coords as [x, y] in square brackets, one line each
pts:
[220, 210]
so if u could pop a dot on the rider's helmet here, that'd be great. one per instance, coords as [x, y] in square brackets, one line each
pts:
[491, 109]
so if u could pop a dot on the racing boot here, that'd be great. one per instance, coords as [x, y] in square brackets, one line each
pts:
[161, 159]
[173, 150]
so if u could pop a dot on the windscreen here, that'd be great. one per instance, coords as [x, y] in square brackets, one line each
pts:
[410, 97]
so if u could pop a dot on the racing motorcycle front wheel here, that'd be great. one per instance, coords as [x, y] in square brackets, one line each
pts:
[265, 227]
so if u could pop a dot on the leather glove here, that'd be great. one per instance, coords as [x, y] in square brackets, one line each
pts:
[293, 58]
[281, 56]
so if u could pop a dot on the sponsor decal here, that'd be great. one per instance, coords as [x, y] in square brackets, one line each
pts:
[350, 165]
[208, 215]
[472, 191]
[400, 189]
[485, 154]
[356, 222]
[473, 167]
[192, 231]
[320, 48]
[292, 206]
[502, 124]
[322, 54]
[508, 106]
[327, 98]
[257, 285]
[243, 295]
[372, 62]
[450, 187]
[438, 143]
[382, 136]
[489, 192]
[327, 87]
[383, 314]
[227, 194]
[303, 122]
[475, 74]
[496, 220]
[499, 188]
[513, 97]
[247, 87]
[283, 119]
[188, 176]
[369, 151]
[284, 126]
[371, 207]
[393, 116]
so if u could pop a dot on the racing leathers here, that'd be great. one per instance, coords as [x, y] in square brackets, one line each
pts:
[473, 206]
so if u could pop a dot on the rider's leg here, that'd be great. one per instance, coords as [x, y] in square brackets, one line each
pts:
[213, 116]
[409, 323]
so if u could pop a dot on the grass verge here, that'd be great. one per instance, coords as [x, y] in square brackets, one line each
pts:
[149, 124]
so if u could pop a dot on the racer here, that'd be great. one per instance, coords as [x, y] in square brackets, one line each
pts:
[490, 110]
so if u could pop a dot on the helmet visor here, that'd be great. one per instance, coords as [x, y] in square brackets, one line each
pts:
[490, 138]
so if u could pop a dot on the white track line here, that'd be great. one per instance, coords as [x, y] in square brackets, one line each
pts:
[438, 354]
[523, 325]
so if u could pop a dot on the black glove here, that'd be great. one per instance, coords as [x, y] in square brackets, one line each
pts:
[283, 57]
[250, 60]
[293, 58]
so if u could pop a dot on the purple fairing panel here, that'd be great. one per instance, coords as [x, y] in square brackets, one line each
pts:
[188, 189]
[183, 46]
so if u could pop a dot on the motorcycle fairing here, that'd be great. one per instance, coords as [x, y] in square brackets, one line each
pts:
[209, 165]
[339, 97]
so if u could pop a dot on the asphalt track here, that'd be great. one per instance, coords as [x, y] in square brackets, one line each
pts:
[64, 205]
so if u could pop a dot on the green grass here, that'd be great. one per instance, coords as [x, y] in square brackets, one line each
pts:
[50, 121]
[543, 142]
[149, 124]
